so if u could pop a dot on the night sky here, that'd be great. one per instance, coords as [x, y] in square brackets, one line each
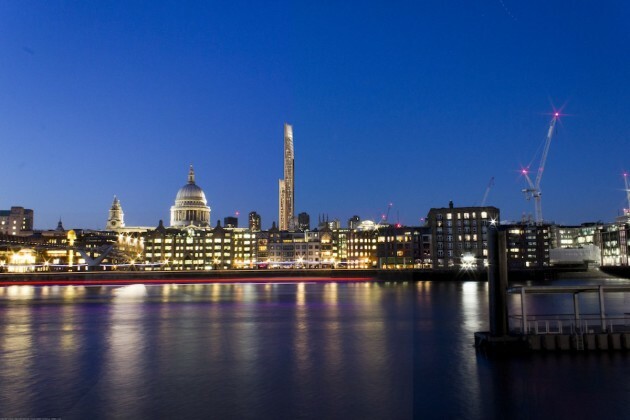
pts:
[411, 103]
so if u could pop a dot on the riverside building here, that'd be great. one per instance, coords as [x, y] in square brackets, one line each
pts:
[528, 245]
[16, 221]
[404, 247]
[572, 245]
[362, 248]
[191, 249]
[458, 232]
[615, 247]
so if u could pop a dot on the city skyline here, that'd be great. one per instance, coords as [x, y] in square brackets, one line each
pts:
[414, 105]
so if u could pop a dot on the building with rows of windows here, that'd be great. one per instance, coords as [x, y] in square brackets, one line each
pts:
[460, 232]
[615, 248]
[528, 245]
[17, 221]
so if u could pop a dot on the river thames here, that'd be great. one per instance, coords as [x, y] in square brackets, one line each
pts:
[320, 350]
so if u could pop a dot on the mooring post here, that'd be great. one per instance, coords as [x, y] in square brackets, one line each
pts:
[576, 310]
[497, 280]
[602, 311]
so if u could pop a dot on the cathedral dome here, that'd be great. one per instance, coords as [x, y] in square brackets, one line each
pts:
[191, 206]
[191, 192]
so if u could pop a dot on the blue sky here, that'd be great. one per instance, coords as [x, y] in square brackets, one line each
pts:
[413, 103]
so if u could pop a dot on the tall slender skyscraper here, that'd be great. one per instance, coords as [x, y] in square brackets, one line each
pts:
[286, 186]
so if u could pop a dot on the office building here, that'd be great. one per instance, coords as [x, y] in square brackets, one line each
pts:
[230, 222]
[304, 221]
[254, 222]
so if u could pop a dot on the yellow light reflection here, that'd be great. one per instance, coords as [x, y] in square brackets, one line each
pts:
[17, 337]
[20, 292]
[301, 336]
[330, 293]
[127, 344]
[301, 294]
[215, 293]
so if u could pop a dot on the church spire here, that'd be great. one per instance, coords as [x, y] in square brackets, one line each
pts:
[191, 175]
[116, 217]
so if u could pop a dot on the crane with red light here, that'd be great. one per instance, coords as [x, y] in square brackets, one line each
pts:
[533, 190]
[625, 180]
[385, 216]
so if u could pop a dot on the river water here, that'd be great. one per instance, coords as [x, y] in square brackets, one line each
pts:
[286, 351]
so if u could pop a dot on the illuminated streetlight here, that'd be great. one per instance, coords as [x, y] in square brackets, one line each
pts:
[468, 262]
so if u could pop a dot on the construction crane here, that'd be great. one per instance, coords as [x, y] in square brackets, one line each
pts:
[485, 196]
[533, 190]
[625, 180]
[385, 215]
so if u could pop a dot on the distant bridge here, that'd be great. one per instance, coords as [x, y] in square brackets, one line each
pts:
[118, 252]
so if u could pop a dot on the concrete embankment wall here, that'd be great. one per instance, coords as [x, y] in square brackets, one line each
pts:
[589, 342]
[623, 272]
[244, 275]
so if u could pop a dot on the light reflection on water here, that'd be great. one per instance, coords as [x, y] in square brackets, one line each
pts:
[326, 350]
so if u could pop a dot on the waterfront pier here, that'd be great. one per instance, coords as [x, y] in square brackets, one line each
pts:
[578, 330]
[557, 331]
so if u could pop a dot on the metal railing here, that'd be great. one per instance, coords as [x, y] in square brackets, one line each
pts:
[568, 324]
